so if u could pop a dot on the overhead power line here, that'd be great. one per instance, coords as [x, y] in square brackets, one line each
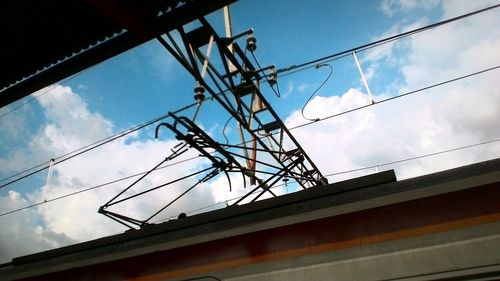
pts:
[189, 159]
[397, 97]
[96, 186]
[123, 133]
[77, 152]
[285, 71]
[317, 89]
[94, 145]
[294, 68]
[43, 166]
[356, 170]
[47, 90]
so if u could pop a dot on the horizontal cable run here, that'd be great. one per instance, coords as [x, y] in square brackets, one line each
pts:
[189, 159]
[288, 70]
[295, 68]
[43, 166]
[357, 170]
[397, 97]
[67, 156]
[292, 128]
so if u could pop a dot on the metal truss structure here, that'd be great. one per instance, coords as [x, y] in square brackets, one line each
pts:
[266, 152]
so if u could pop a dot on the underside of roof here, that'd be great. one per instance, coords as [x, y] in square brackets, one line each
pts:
[48, 40]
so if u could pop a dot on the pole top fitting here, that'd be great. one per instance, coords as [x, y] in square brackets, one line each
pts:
[251, 43]
[199, 91]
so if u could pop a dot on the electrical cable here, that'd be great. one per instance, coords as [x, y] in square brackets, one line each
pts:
[25, 171]
[294, 68]
[412, 92]
[278, 94]
[338, 114]
[408, 93]
[142, 125]
[97, 186]
[32, 98]
[52, 87]
[315, 91]
[398, 96]
[353, 170]
[189, 159]
[224, 129]
[414, 157]
[82, 150]
[86, 148]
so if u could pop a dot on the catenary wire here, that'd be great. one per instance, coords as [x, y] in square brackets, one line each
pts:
[295, 68]
[97, 144]
[277, 93]
[414, 157]
[356, 170]
[331, 116]
[98, 186]
[50, 88]
[398, 96]
[32, 98]
[315, 91]
[77, 152]
[288, 69]
[285, 71]
[189, 159]
[36, 169]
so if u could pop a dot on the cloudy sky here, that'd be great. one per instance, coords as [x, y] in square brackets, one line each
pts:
[146, 82]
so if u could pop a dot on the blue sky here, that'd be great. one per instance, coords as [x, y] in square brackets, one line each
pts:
[146, 82]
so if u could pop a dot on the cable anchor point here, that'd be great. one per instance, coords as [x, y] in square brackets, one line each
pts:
[272, 77]
[199, 93]
[251, 43]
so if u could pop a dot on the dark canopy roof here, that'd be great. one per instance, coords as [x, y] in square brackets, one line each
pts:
[44, 41]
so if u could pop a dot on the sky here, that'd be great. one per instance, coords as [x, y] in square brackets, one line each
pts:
[147, 82]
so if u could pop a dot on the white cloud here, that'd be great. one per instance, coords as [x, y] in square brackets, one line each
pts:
[396, 130]
[386, 51]
[453, 8]
[390, 7]
[449, 116]
[70, 125]
[302, 87]
[24, 235]
[290, 88]
[14, 131]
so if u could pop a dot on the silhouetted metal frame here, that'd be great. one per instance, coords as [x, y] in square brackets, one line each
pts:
[196, 138]
[65, 66]
[292, 163]
[249, 74]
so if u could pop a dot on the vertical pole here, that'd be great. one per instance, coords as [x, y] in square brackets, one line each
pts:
[250, 159]
[229, 34]
[363, 77]
[207, 56]
[49, 175]
[257, 105]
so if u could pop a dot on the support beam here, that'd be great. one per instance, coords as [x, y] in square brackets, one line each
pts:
[118, 44]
